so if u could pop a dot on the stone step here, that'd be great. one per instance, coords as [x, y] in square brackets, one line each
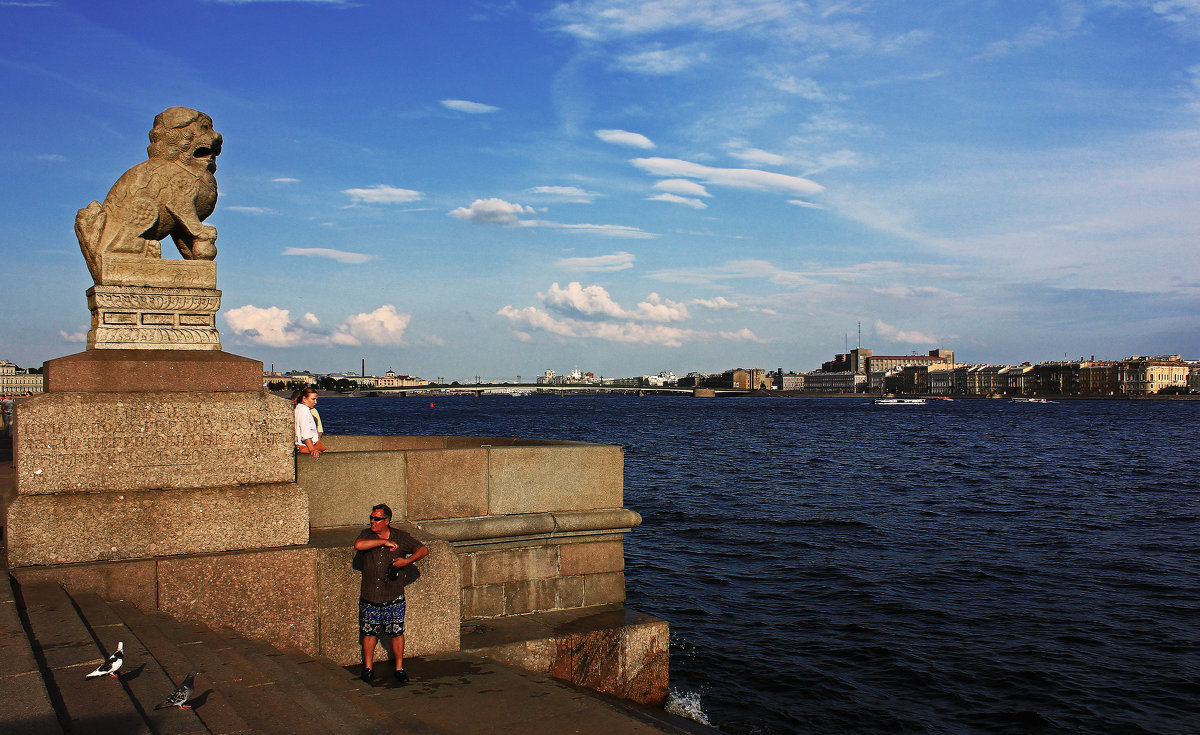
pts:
[68, 651]
[147, 680]
[374, 699]
[177, 650]
[25, 706]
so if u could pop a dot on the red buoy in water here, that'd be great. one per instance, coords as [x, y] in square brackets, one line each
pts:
[431, 405]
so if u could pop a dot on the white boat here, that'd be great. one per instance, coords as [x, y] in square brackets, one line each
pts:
[899, 401]
[1031, 400]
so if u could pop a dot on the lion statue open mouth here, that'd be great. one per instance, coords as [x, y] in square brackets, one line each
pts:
[170, 194]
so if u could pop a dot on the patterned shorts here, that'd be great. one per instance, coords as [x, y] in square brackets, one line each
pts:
[386, 619]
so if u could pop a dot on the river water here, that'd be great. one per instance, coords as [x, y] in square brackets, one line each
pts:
[831, 566]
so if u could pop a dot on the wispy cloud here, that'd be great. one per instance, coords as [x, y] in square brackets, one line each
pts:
[682, 187]
[625, 138]
[341, 256]
[676, 199]
[249, 210]
[660, 61]
[888, 333]
[737, 178]
[284, 180]
[473, 108]
[383, 194]
[496, 211]
[565, 193]
[613, 262]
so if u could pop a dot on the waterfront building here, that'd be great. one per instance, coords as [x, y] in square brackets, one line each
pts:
[884, 363]
[1100, 378]
[18, 382]
[843, 382]
[1143, 376]
[789, 380]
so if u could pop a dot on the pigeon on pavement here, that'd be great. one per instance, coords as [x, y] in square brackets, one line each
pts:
[111, 664]
[182, 693]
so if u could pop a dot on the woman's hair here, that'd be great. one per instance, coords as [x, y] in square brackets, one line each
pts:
[304, 393]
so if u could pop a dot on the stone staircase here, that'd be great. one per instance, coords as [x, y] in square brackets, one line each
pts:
[249, 686]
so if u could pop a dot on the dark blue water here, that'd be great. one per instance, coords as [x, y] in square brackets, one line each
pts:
[829, 566]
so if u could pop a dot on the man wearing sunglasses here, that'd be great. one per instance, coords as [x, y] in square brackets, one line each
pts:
[385, 552]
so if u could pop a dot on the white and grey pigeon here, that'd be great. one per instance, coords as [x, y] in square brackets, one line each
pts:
[111, 664]
[182, 693]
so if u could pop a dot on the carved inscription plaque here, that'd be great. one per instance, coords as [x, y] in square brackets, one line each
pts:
[84, 442]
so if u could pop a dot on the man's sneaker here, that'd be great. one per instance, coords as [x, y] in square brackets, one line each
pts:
[368, 675]
[401, 676]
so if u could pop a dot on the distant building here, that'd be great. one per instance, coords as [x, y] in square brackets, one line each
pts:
[843, 382]
[1143, 376]
[18, 382]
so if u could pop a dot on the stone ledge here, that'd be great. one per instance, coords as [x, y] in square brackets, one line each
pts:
[559, 526]
[608, 648]
[154, 523]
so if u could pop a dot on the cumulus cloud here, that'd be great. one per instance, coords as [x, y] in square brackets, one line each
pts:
[383, 194]
[492, 212]
[382, 327]
[593, 301]
[718, 303]
[613, 262]
[270, 326]
[625, 138]
[676, 199]
[273, 327]
[473, 108]
[341, 256]
[888, 333]
[682, 187]
[737, 178]
[79, 335]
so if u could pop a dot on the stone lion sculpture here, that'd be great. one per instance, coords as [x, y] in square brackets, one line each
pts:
[169, 194]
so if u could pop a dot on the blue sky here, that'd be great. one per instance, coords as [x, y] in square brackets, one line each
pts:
[463, 189]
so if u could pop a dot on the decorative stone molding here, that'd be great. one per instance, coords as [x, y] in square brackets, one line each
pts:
[153, 318]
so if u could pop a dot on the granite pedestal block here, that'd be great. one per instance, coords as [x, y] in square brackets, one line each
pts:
[115, 371]
[87, 442]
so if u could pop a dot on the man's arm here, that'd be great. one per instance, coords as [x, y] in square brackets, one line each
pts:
[417, 555]
[366, 544]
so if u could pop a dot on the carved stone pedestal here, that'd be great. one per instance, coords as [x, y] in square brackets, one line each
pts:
[150, 317]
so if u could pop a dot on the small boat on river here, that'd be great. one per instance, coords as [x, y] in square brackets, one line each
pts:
[899, 401]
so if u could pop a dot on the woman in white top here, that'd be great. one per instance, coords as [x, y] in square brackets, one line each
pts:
[306, 427]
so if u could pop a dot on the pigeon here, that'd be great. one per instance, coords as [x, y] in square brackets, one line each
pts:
[182, 693]
[111, 664]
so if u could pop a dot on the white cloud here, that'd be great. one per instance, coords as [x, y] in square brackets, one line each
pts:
[594, 301]
[718, 303]
[285, 180]
[806, 205]
[568, 193]
[596, 21]
[625, 138]
[676, 199]
[683, 187]
[274, 327]
[492, 212]
[661, 62]
[250, 210]
[54, 157]
[341, 256]
[76, 336]
[888, 333]
[474, 108]
[383, 194]
[499, 212]
[629, 332]
[742, 335]
[738, 178]
[758, 156]
[269, 326]
[733, 270]
[383, 327]
[614, 262]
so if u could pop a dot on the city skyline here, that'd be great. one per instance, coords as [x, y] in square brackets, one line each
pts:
[632, 186]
